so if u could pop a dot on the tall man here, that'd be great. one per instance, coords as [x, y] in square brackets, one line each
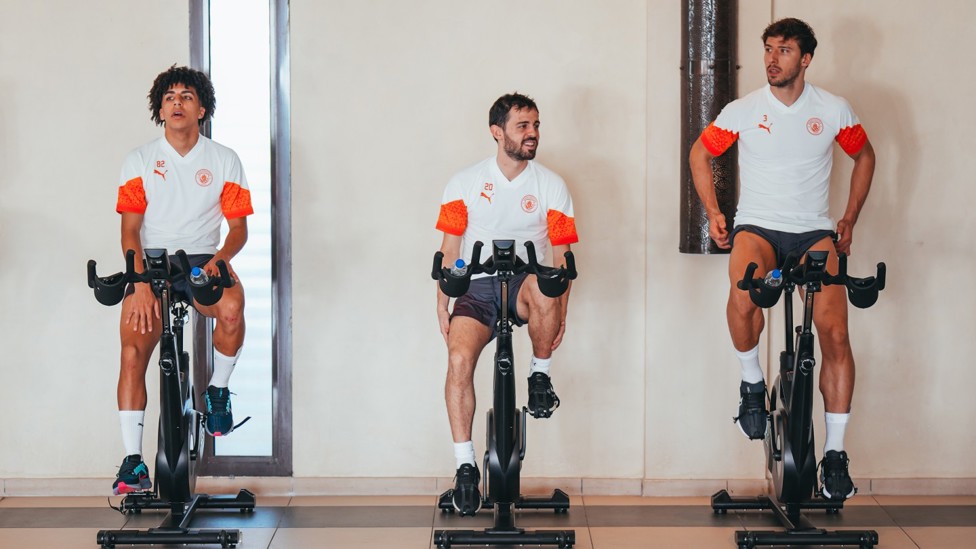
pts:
[506, 196]
[786, 132]
[174, 193]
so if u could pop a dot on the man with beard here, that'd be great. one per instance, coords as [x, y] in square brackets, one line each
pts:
[507, 196]
[786, 132]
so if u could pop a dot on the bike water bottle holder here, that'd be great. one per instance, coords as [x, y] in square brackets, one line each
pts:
[451, 284]
[109, 290]
[209, 292]
[552, 282]
[863, 292]
[761, 293]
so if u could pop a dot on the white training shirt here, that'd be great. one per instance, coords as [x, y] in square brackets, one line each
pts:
[480, 203]
[183, 198]
[785, 155]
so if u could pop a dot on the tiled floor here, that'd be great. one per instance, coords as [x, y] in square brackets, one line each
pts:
[600, 522]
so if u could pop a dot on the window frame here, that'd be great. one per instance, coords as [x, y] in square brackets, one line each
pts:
[279, 463]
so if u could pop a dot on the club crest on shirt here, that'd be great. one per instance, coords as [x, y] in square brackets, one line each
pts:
[529, 203]
[814, 126]
[204, 177]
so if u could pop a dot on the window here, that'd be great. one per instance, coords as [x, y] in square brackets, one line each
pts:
[242, 44]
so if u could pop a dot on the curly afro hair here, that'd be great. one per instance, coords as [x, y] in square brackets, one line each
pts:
[188, 77]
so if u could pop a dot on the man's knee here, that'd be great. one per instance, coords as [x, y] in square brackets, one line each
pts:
[834, 337]
[537, 302]
[230, 312]
[741, 305]
[460, 364]
[134, 357]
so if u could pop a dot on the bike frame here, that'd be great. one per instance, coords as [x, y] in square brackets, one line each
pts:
[793, 465]
[181, 438]
[506, 445]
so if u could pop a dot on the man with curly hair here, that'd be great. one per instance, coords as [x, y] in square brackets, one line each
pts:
[174, 193]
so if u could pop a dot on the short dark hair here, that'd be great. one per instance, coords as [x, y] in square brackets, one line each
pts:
[498, 114]
[191, 78]
[793, 28]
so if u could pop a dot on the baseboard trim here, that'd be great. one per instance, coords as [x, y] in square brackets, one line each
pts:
[411, 486]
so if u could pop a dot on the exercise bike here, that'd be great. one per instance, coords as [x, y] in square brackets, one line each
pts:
[506, 425]
[181, 430]
[789, 444]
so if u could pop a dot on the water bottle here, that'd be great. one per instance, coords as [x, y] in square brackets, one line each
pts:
[198, 277]
[774, 278]
[459, 268]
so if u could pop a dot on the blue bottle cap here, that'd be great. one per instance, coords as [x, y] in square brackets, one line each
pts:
[459, 263]
[195, 271]
[777, 273]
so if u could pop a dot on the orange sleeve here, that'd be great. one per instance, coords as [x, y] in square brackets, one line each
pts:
[453, 218]
[132, 197]
[235, 201]
[562, 228]
[717, 140]
[852, 139]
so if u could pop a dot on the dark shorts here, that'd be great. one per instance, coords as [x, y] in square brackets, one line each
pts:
[179, 289]
[784, 243]
[483, 301]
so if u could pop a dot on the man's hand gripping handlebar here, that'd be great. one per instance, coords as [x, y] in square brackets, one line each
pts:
[109, 290]
[553, 282]
[862, 292]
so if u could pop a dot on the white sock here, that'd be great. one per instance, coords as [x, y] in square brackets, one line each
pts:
[464, 453]
[836, 427]
[223, 367]
[751, 371]
[540, 365]
[131, 422]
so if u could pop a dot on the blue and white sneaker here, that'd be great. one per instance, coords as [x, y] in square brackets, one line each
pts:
[220, 418]
[133, 476]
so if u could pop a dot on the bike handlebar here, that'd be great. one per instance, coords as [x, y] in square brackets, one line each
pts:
[553, 282]
[862, 292]
[109, 290]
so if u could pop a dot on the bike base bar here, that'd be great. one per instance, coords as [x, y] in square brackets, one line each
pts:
[798, 529]
[564, 539]
[175, 526]
[154, 536]
[864, 539]
[558, 501]
[137, 501]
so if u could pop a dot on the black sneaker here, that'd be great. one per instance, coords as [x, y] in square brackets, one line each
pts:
[542, 399]
[752, 416]
[133, 476]
[466, 497]
[835, 480]
[220, 417]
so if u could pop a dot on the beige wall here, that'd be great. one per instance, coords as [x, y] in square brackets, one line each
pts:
[388, 101]
[403, 95]
[74, 77]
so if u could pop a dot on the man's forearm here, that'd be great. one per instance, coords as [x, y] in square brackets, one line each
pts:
[233, 243]
[861, 178]
[442, 299]
[132, 242]
[700, 162]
